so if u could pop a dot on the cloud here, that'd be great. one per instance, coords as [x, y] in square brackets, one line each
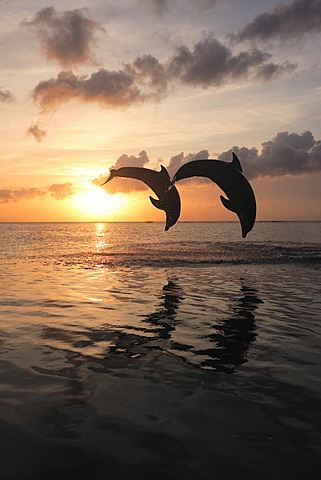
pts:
[150, 75]
[178, 160]
[286, 21]
[286, 154]
[125, 185]
[8, 195]
[6, 96]
[66, 37]
[38, 133]
[132, 161]
[273, 70]
[143, 79]
[58, 191]
[210, 63]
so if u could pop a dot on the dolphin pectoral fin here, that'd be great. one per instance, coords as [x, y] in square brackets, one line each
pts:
[164, 171]
[227, 204]
[157, 203]
[236, 163]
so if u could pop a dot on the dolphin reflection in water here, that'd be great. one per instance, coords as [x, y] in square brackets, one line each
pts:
[164, 318]
[168, 197]
[233, 337]
[229, 177]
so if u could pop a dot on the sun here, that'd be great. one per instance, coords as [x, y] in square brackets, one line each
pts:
[95, 202]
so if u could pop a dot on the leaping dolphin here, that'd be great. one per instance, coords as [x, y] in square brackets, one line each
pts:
[159, 182]
[229, 177]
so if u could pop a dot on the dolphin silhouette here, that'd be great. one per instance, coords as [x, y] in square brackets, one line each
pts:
[229, 177]
[159, 182]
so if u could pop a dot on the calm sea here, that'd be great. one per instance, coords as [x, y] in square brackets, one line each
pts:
[132, 353]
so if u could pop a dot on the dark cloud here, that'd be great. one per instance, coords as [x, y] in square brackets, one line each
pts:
[6, 96]
[125, 185]
[286, 154]
[105, 87]
[134, 84]
[58, 191]
[150, 75]
[66, 37]
[286, 21]
[273, 70]
[210, 63]
[38, 133]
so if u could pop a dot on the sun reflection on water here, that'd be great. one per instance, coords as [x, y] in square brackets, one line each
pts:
[101, 236]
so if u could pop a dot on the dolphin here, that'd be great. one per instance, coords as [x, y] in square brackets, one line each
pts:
[229, 177]
[168, 197]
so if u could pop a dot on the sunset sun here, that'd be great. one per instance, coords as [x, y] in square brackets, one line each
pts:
[98, 203]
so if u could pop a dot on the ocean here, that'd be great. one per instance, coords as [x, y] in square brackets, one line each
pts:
[129, 352]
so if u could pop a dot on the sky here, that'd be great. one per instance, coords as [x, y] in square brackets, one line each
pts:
[101, 84]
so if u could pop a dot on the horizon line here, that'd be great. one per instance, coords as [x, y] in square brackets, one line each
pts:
[152, 221]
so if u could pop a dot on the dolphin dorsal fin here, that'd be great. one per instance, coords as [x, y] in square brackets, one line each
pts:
[156, 203]
[164, 171]
[236, 163]
[227, 204]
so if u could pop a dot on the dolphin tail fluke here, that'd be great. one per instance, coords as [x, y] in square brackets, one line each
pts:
[157, 203]
[227, 204]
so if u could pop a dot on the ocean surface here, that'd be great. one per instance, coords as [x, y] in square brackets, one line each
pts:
[128, 352]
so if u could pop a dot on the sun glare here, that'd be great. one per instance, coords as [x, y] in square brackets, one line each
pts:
[98, 203]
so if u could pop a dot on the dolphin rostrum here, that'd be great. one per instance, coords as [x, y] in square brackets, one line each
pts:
[159, 182]
[229, 177]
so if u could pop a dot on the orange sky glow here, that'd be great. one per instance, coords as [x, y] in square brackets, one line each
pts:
[84, 90]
